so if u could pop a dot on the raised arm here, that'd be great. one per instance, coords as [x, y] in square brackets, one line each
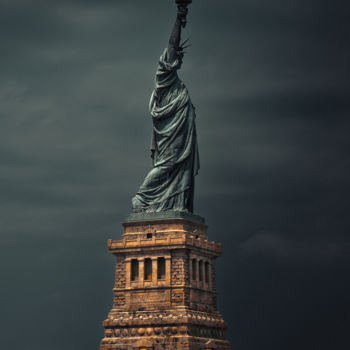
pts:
[175, 37]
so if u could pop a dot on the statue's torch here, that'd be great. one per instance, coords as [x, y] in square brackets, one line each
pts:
[182, 10]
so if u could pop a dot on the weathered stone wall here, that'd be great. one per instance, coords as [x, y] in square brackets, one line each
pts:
[179, 268]
[119, 300]
[120, 272]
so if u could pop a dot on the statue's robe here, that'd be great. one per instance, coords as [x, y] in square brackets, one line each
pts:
[170, 184]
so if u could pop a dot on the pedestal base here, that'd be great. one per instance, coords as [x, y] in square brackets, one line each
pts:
[164, 294]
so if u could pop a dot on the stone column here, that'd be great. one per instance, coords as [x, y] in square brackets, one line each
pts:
[141, 271]
[209, 274]
[127, 272]
[197, 274]
[167, 269]
[154, 271]
[191, 270]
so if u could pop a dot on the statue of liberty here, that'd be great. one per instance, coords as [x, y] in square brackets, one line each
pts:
[170, 183]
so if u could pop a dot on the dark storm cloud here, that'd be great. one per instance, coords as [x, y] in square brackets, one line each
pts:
[270, 81]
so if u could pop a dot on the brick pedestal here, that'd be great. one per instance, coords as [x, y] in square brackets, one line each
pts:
[164, 294]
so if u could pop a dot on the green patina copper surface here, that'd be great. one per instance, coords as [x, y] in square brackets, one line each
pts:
[170, 183]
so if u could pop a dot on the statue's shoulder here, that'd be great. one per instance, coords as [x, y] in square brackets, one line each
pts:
[166, 65]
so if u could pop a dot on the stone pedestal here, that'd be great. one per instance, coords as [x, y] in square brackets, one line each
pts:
[164, 293]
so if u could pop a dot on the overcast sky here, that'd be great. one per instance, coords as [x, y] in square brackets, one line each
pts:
[270, 81]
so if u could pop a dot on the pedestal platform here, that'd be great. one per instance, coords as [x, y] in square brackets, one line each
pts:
[164, 293]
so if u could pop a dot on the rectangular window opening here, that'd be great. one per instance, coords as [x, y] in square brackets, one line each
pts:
[161, 268]
[200, 268]
[134, 270]
[194, 269]
[148, 270]
[207, 272]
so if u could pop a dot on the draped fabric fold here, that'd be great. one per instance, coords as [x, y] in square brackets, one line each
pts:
[170, 184]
